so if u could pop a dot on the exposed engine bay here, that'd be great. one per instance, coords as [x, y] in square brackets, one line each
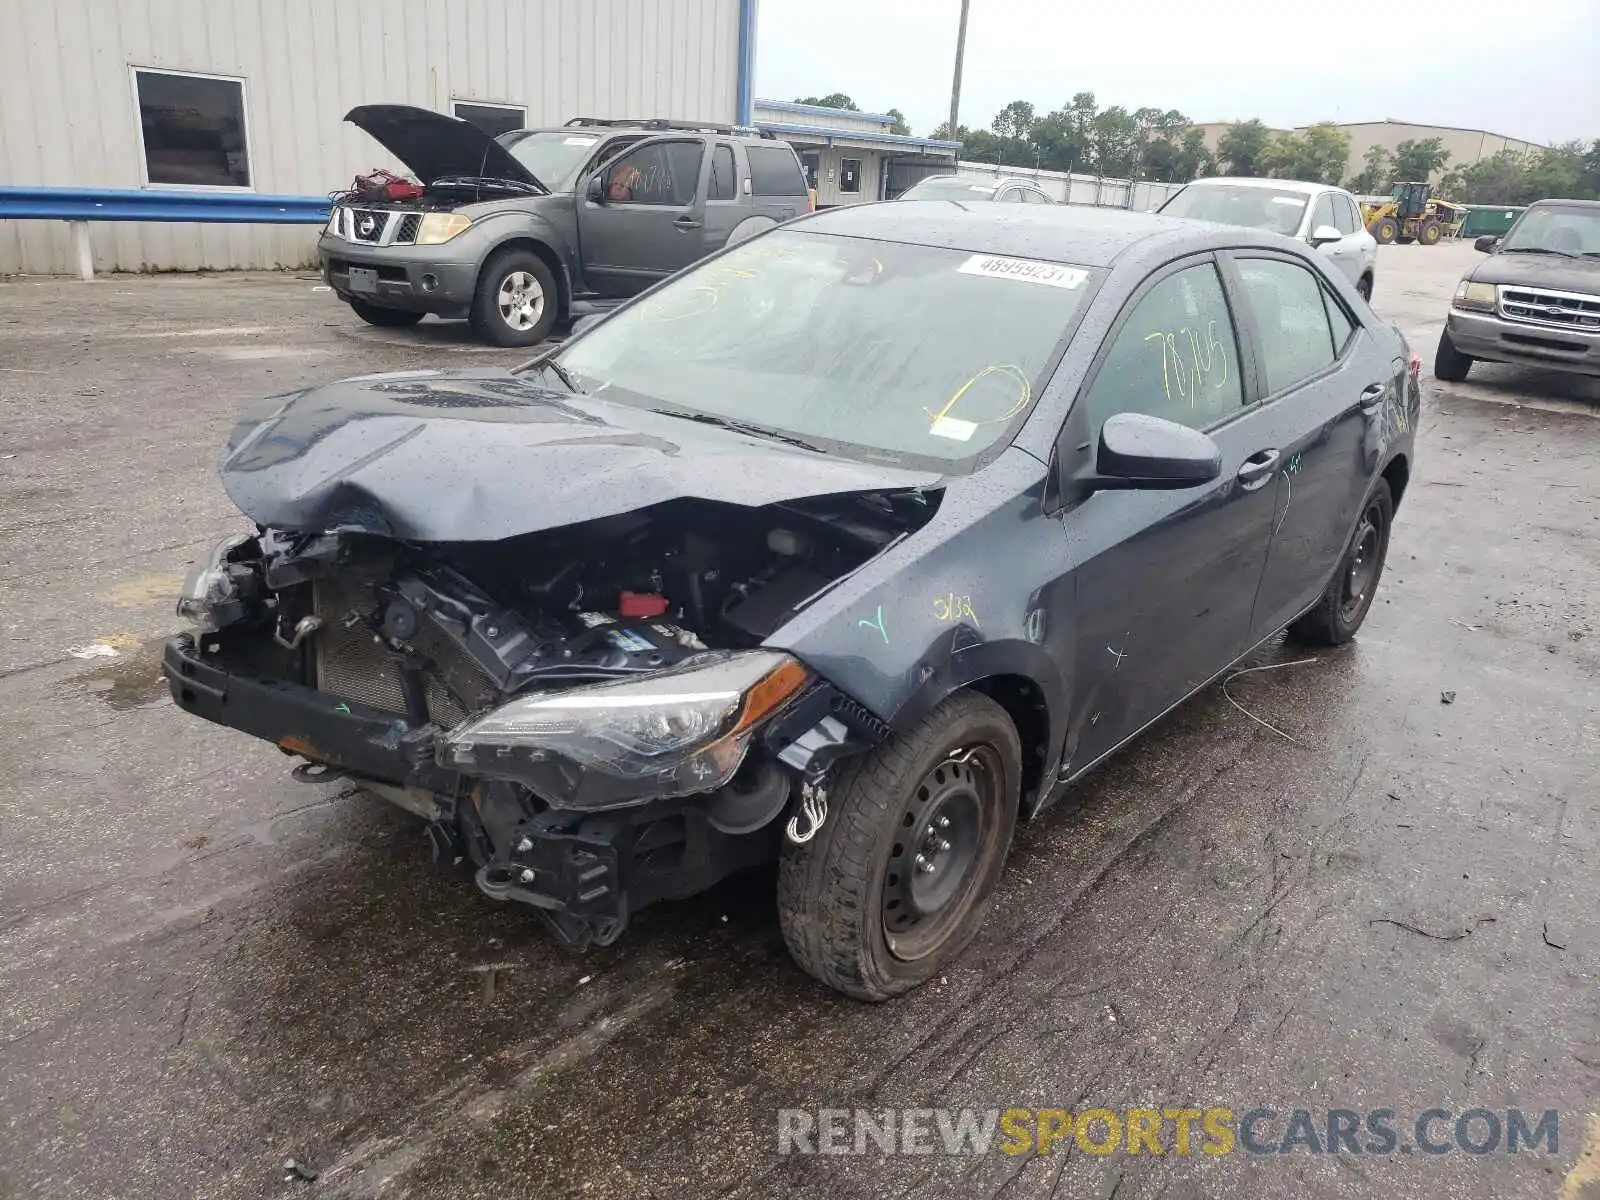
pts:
[449, 664]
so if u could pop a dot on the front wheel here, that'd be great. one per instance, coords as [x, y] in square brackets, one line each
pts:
[1345, 604]
[1449, 364]
[384, 318]
[516, 302]
[897, 882]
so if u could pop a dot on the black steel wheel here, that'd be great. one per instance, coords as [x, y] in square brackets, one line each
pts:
[1348, 598]
[1449, 364]
[896, 883]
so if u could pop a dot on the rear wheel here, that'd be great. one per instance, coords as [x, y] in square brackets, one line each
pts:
[1345, 604]
[387, 318]
[899, 878]
[516, 303]
[1449, 364]
[1386, 230]
[1429, 232]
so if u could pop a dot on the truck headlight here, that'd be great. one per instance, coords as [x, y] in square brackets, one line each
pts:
[211, 596]
[671, 733]
[1475, 297]
[439, 227]
[333, 222]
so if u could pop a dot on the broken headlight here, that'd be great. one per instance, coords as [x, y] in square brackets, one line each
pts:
[212, 595]
[672, 733]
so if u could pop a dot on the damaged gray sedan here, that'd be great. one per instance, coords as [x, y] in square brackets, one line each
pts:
[846, 548]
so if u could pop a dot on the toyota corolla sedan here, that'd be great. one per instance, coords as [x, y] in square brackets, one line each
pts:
[848, 548]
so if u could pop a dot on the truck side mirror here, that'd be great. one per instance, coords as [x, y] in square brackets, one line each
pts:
[596, 190]
[1487, 243]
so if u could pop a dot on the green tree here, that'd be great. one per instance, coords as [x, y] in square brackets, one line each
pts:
[1315, 155]
[1242, 147]
[1377, 173]
[831, 100]
[1015, 121]
[1116, 143]
[899, 122]
[1418, 161]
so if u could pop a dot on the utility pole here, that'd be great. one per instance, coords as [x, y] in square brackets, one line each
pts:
[955, 86]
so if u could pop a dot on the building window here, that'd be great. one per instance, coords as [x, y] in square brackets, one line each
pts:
[192, 129]
[493, 119]
[849, 174]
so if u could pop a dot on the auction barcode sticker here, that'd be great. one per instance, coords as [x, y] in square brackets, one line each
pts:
[1027, 270]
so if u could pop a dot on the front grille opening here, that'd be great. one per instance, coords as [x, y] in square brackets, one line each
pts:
[353, 665]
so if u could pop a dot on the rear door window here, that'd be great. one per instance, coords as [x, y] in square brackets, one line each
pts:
[1176, 356]
[724, 175]
[774, 171]
[1291, 319]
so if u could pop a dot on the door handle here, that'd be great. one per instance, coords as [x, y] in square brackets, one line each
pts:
[688, 223]
[1258, 468]
[1372, 395]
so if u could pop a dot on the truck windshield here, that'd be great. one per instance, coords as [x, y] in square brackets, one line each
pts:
[912, 354]
[1556, 229]
[1272, 209]
[554, 156]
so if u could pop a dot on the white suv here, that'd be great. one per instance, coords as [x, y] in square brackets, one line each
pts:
[1325, 217]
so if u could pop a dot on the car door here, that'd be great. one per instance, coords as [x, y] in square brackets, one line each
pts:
[1166, 580]
[724, 206]
[642, 216]
[1320, 388]
[1322, 218]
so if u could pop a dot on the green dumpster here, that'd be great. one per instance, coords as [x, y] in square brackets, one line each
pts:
[1485, 219]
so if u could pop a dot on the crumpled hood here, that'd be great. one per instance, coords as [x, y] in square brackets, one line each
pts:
[1540, 271]
[462, 456]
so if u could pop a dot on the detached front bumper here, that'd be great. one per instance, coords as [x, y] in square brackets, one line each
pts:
[428, 279]
[1492, 338]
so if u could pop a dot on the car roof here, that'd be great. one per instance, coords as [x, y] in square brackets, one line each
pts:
[1077, 234]
[1282, 185]
[1571, 203]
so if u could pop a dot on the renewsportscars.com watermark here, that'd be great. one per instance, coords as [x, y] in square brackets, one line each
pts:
[1213, 1131]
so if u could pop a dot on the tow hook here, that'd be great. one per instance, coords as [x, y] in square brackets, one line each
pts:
[813, 810]
[303, 629]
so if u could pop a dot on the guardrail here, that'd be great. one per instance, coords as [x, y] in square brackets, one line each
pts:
[78, 206]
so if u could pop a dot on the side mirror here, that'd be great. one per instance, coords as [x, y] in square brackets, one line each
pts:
[1487, 243]
[1149, 453]
[596, 191]
[1323, 234]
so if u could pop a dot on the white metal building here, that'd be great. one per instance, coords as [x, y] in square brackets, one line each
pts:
[848, 155]
[250, 95]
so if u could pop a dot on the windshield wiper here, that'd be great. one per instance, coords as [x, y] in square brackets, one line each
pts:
[1535, 250]
[771, 435]
[561, 373]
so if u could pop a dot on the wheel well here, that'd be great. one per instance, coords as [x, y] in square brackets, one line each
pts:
[1397, 474]
[1026, 708]
[550, 259]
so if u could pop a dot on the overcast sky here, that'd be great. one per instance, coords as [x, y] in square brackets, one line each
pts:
[1525, 69]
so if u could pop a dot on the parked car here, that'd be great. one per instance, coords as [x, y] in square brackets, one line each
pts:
[975, 188]
[847, 547]
[1325, 218]
[1535, 301]
[510, 231]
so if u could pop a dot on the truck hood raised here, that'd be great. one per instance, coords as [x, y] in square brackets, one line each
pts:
[1540, 271]
[433, 146]
[466, 456]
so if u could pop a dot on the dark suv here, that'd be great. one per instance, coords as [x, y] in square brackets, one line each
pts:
[510, 231]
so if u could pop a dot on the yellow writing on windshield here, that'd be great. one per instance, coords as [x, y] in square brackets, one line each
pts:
[1206, 364]
[1004, 370]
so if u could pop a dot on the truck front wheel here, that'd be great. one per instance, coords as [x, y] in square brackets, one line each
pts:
[516, 302]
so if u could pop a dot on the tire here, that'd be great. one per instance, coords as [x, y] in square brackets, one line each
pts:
[516, 302]
[1364, 286]
[846, 899]
[384, 318]
[1449, 364]
[1386, 230]
[1345, 604]
[1429, 233]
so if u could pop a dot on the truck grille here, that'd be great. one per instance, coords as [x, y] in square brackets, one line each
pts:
[1554, 310]
[377, 226]
[354, 666]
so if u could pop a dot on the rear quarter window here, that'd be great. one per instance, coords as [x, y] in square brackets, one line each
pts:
[775, 171]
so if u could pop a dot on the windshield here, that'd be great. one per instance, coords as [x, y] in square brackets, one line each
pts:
[1557, 228]
[1257, 207]
[909, 354]
[553, 155]
[950, 187]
